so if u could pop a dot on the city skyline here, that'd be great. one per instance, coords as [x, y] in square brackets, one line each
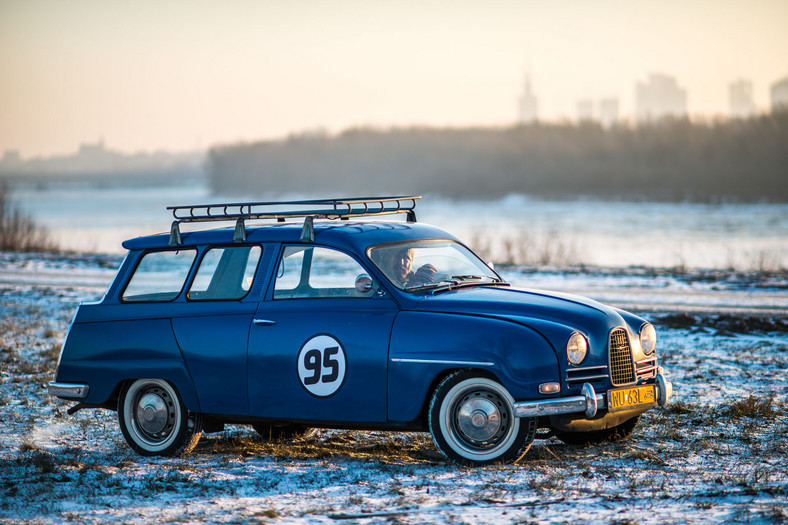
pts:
[179, 77]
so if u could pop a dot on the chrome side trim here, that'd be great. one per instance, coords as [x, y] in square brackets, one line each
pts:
[589, 403]
[69, 390]
[442, 362]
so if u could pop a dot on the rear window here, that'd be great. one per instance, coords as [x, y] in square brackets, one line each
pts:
[159, 276]
[225, 273]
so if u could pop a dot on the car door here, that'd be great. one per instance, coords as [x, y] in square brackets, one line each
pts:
[318, 348]
[212, 325]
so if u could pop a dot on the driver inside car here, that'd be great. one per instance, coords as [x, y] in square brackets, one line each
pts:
[401, 270]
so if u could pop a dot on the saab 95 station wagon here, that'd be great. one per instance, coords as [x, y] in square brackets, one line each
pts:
[328, 316]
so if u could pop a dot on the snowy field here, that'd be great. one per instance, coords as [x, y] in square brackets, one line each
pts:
[718, 453]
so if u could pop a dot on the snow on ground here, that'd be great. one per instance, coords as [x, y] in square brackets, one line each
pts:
[718, 453]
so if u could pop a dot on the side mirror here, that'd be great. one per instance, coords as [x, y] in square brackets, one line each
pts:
[364, 283]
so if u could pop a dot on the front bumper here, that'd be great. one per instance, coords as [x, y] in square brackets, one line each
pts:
[588, 402]
[68, 390]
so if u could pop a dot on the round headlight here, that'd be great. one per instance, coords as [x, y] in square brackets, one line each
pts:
[576, 348]
[648, 338]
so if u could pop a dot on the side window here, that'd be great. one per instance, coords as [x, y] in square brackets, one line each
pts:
[160, 276]
[225, 273]
[313, 271]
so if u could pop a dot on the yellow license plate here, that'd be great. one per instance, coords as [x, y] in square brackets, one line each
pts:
[630, 397]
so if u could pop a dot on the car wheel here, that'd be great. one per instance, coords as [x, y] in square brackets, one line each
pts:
[270, 432]
[616, 433]
[154, 419]
[471, 419]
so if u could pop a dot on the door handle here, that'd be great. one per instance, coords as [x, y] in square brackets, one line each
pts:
[264, 322]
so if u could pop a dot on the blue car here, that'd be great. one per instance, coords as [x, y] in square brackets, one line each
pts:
[329, 316]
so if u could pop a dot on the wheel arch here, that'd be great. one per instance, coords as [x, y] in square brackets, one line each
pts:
[176, 376]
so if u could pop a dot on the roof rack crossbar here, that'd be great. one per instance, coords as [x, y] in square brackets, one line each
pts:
[317, 209]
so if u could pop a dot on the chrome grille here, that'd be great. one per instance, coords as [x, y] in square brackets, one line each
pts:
[621, 369]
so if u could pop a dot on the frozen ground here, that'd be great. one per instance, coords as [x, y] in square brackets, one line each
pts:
[718, 454]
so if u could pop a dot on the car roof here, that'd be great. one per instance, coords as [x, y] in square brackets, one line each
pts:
[352, 236]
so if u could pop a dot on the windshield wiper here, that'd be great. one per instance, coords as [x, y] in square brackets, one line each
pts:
[455, 282]
[429, 286]
[477, 278]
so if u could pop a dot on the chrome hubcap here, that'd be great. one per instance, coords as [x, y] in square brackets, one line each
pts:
[479, 418]
[152, 413]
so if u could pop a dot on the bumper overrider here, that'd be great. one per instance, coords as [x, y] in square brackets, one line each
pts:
[589, 402]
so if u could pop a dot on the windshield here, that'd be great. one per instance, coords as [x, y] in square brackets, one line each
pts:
[423, 265]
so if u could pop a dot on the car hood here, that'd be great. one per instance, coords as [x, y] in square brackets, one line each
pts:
[522, 304]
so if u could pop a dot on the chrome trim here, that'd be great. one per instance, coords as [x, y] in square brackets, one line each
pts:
[586, 368]
[589, 403]
[441, 362]
[69, 390]
[646, 367]
[576, 375]
[585, 378]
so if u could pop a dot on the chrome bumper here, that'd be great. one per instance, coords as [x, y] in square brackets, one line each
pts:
[68, 390]
[588, 402]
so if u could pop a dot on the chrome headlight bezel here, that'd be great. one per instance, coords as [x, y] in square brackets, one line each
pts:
[576, 348]
[648, 338]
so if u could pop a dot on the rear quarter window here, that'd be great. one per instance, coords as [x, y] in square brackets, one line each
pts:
[225, 273]
[160, 276]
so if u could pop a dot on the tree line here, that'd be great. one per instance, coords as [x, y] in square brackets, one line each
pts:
[668, 160]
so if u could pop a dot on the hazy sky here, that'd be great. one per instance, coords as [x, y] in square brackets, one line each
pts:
[181, 75]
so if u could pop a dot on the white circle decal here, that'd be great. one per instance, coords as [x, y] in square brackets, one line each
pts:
[322, 365]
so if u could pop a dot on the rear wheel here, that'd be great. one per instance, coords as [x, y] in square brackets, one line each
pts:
[616, 433]
[471, 418]
[154, 419]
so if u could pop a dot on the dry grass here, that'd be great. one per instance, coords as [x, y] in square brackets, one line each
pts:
[752, 407]
[18, 231]
[528, 249]
[384, 447]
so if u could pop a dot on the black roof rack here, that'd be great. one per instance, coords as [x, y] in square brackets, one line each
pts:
[283, 210]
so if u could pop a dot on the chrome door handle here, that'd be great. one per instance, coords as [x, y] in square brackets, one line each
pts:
[264, 322]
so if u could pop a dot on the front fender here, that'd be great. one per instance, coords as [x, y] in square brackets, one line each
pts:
[425, 346]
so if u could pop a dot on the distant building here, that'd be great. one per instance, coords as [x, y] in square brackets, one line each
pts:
[608, 111]
[659, 97]
[585, 110]
[528, 103]
[740, 99]
[11, 158]
[92, 150]
[779, 94]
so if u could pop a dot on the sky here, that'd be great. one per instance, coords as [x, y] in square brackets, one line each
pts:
[183, 75]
